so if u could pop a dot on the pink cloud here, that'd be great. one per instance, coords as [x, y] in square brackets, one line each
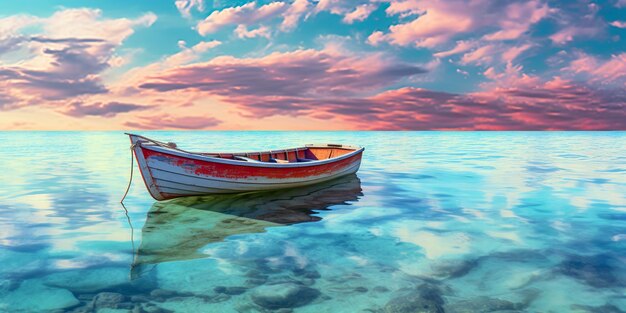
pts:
[185, 6]
[434, 27]
[376, 38]
[110, 109]
[314, 83]
[246, 14]
[435, 23]
[165, 121]
[481, 56]
[302, 73]
[360, 13]
[62, 24]
[242, 32]
[251, 14]
[609, 71]
[581, 20]
[568, 34]
[553, 105]
[293, 14]
[486, 53]
[513, 52]
[404, 8]
[618, 24]
[61, 60]
[518, 18]
[461, 46]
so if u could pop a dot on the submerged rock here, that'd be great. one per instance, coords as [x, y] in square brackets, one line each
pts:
[110, 300]
[233, 291]
[313, 274]
[89, 280]
[284, 295]
[150, 309]
[82, 309]
[32, 296]
[424, 299]
[482, 304]
[453, 268]
[139, 298]
[607, 308]
[600, 271]
[162, 293]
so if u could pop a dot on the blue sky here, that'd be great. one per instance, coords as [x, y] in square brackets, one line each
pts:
[313, 64]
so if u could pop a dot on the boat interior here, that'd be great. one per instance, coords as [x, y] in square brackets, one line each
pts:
[296, 155]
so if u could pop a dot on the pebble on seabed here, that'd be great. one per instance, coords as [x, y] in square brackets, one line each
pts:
[283, 295]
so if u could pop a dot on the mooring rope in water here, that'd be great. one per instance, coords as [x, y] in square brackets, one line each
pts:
[132, 240]
[132, 229]
[130, 180]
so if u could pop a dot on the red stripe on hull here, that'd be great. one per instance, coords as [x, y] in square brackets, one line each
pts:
[235, 172]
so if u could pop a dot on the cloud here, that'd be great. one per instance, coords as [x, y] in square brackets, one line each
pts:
[6, 100]
[517, 19]
[433, 28]
[247, 14]
[376, 38]
[618, 24]
[301, 73]
[577, 19]
[165, 121]
[313, 83]
[487, 54]
[481, 56]
[293, 14]
[64, 23]
[548, 105]
[608, 71]
[461, 46]
[435, 23]
[60, 60]
[185, 6]
[513, 52]
[71, 73]
[242, 32]
[187, 55]
[109, 109]
[360, 13]
[251, 13]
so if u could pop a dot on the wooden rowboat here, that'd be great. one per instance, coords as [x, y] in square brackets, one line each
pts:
[170, 172]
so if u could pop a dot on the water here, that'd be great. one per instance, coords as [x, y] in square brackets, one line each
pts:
[433, 221]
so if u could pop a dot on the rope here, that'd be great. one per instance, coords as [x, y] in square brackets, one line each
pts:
[130, 180]
[132, 239]
[169, 145]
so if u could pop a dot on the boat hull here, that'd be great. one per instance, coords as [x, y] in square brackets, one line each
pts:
[171, 173]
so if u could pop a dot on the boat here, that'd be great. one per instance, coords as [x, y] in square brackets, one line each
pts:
[170, 172]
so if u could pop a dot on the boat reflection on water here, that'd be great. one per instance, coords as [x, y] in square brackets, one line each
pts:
[177, 229]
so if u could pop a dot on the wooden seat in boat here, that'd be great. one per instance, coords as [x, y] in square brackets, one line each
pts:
[241, 158]
[278, 160]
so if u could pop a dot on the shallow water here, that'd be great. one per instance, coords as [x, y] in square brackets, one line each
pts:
[432, 222]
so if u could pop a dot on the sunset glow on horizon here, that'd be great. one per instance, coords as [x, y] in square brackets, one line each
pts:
[313, 65]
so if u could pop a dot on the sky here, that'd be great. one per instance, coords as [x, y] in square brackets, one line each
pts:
[313, 65]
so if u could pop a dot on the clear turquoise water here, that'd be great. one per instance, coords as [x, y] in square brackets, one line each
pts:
[433, 222]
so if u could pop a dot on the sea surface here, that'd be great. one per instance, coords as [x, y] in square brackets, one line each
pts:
[432, 222]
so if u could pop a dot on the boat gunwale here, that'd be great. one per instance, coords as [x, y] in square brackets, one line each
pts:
[207, 158]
